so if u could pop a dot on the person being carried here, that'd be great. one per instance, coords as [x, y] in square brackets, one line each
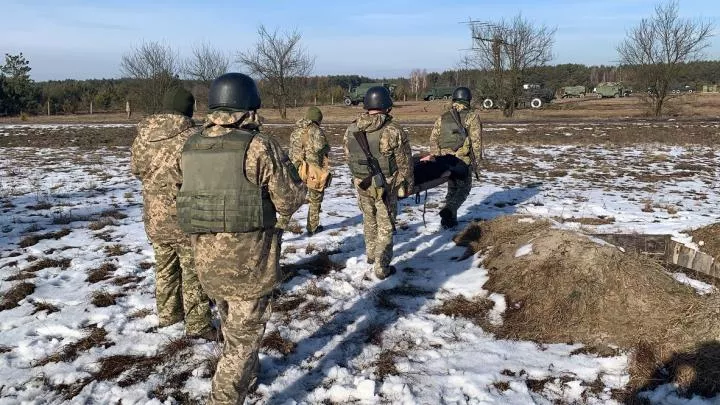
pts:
[309, 151]
[372, 141]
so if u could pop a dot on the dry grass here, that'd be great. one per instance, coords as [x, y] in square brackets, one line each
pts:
[101, 273]
[319, 265]
[32, 240]
[103, 298]
[45, 306]
[385, 364]
[475, 309]
[140, 313]
[101, 223]
[5, 349]
[710, 238]
[96, 337]
[115, 250]
[12, 297]
[573, 290]
[145, 265]
[588, 220]
[41, 205]
[273, 341]
[113, 213]
[29, 272]
[124, 280]
[288, 304]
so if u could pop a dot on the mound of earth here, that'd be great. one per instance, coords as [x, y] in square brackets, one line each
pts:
[563, 286]
[708, 239]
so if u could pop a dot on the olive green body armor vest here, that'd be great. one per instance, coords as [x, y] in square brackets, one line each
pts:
[451, 136]
[357, 160]
[216, 196]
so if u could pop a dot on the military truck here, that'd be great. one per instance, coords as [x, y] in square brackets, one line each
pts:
[356, 95]
[572, 91]
[611, 89]
[436, 93]
[533, 96]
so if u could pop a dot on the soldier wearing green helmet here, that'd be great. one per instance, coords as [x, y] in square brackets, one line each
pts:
[309, 147]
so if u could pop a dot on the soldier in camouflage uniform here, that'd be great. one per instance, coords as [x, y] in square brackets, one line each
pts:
[156, 162]
[235, 182]
[390, 145]
[308, 143]
[446, 139]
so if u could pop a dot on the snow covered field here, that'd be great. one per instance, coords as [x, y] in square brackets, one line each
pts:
[85, 330]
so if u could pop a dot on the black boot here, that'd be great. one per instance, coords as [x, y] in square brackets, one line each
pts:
[316, 230]
[447, 219]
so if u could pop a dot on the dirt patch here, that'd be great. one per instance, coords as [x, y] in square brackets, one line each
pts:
[32, 240]
[708, 239]
[101, 273]
[571, 289]
[319, 265]
[475, 309]
[96, 337]
[273, 341]
[44, 306]
[12, 297]
[38, 265]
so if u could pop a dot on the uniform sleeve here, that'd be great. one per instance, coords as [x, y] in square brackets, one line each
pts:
[137, 162]
[295, 152]
[435, 138]
[320, 147]
[399, 143]
[474, 128]
[267, 165]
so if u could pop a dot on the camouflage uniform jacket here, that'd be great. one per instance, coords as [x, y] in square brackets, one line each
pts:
[246, 265]
[394, 141]
[472, 125]
[155, 161]
[265, 162]
[308, 143]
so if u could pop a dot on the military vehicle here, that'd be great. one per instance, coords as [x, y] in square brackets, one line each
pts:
[533, 96]
[436, 93]
[611, 89]
[572, 91]
[356, 95]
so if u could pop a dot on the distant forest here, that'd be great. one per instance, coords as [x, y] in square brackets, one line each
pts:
[75, 96]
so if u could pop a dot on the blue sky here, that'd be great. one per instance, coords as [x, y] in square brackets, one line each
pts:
[82, 39]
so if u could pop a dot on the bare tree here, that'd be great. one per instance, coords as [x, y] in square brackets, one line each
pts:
[418, 81]
[508, 49]
[658, 47]
[156, 67]
[206, 63]
[279, 60]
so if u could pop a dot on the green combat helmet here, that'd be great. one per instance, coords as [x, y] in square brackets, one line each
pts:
[314, 114]
[177, 100]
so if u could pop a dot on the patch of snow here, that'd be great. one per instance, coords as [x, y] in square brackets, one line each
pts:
[524, 250]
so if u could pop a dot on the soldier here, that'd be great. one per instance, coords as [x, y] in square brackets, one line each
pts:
[308, 144]
[447, 138]
[389, 144]
[235, 181]
[156, 162]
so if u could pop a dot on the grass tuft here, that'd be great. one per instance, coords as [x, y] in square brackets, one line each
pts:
[12, 297]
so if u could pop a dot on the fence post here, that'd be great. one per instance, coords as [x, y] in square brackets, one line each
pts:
[127, 108]
[91, 108]
[332, 99]
[48, 107]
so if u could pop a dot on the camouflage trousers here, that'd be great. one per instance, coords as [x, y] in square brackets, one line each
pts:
[178, 292]
[457, 193]
[238, 271]
[315, 199]
[377, 226]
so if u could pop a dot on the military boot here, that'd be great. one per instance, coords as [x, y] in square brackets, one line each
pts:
[382, 274]
[447, 219]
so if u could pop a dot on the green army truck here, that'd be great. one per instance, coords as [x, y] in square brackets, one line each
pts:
[572, 91]
[611, 89]
[437, 93]
[356, 95]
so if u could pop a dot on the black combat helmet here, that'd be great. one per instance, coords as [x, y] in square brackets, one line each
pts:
[377, 98]
[234, 91]
[462, 94]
